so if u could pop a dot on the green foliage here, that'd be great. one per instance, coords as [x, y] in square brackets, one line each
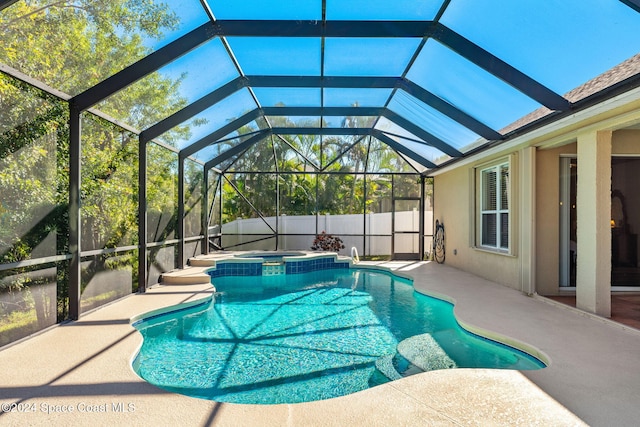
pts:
[33, 177]
[302, 187]
[194, 181]
[71, 46]
[162, 193]
[16, 325]
[109, 185]
[297, 194]
[74, 45]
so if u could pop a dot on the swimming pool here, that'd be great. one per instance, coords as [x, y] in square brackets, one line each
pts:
[309, 336]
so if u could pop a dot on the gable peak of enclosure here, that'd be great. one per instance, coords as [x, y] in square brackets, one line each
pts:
[132, 133]
[433, 80]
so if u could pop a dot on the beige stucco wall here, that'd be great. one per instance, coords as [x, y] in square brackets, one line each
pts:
[538, 257]
[453, 205]
[626, 141]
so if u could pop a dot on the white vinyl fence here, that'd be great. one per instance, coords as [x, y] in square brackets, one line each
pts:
[298, 232]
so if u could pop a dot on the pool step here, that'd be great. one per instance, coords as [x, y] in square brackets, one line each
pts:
[384, 364]
[187, 276]
[424, 352]
[417, 354]
[203, 261]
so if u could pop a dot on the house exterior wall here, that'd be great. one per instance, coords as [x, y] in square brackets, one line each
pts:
[530, 266]
[625, 142]
[454, 205]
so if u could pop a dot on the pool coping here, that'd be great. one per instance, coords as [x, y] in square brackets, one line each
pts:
[92, 369]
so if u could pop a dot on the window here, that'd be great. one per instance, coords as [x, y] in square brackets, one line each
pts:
[494, 207]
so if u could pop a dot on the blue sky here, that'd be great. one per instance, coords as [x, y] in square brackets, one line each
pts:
[561, 43]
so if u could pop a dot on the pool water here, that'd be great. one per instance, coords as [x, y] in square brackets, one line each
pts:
[312, 336]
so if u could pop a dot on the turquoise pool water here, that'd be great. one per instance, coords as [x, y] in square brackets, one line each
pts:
[311, 336]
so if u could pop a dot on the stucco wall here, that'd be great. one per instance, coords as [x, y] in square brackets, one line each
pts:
[454, 195]
[454, 204]
[626, 141]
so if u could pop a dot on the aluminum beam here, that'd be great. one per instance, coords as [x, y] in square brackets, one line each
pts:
[320, 131]
[205, 210]
[422, 29]
[317, 81]
[145, 66]
[316, 28]
[75, 227]
[233, 151]
[500, 69]
[6, 3]
[633, 4]
[181, 260]
[322, 111]
[324, 81]
[378, 134]
[331, 111]
[223, 131]
[380, 82]
[143, 260]
[192, 109]
[430, 139]
[449, 110]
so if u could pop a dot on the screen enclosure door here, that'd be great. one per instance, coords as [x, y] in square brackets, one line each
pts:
[406, 229]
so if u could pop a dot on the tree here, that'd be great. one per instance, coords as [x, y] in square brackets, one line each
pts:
[72, 45]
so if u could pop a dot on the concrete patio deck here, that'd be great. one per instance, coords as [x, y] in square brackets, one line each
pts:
[79, 373]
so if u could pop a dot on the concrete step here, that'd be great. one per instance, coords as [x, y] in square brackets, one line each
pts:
[202, 262]
[188, 276]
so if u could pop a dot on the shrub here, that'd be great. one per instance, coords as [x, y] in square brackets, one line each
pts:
[327, 242]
